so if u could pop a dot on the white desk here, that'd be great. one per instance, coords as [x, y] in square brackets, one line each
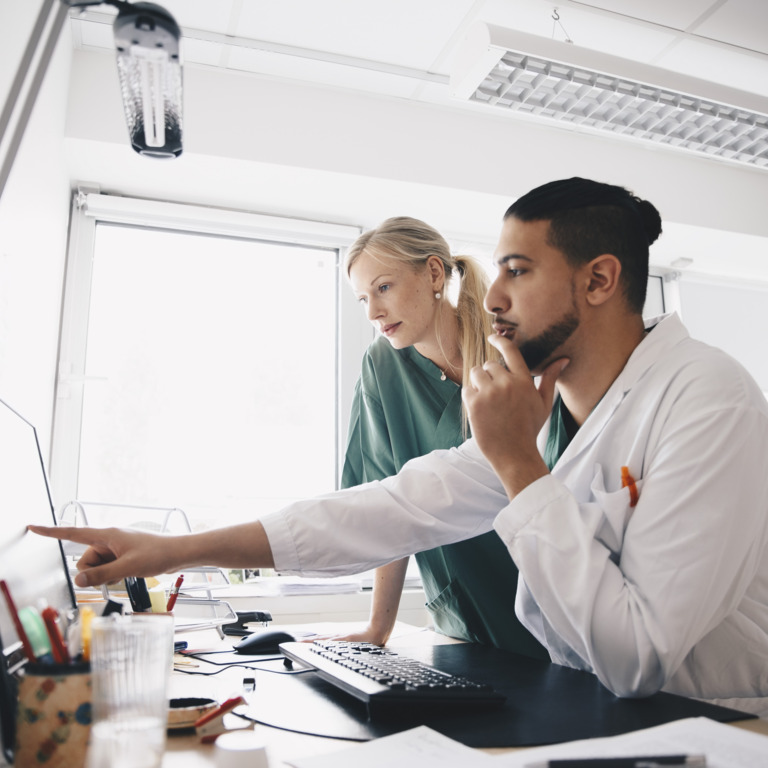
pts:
[187, 752]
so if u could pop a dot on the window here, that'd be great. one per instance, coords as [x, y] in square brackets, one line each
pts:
[202, 365]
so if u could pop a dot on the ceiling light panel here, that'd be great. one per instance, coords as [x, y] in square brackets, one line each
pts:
[556, 81]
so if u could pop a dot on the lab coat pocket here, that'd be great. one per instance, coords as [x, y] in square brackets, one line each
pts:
[616, 511]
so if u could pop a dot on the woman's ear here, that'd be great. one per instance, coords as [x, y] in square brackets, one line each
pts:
[436, 270]
[603, 275]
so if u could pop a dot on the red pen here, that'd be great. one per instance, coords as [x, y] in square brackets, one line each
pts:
[58, 646]
[174, 593]
[30, 654]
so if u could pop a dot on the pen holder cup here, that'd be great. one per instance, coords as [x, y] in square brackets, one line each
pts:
[53, 719]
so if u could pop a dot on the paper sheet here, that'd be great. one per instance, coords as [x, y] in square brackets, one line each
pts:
[724, 746]
[420, 747]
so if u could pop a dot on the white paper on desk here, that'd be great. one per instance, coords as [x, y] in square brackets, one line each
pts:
[420, 747]
[724, 746]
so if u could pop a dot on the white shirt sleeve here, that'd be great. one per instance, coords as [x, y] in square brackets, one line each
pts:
[436, 499]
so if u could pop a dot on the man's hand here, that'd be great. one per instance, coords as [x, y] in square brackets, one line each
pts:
[114, 553]
[507, 411]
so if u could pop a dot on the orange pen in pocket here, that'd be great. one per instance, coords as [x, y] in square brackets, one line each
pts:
[627, 481]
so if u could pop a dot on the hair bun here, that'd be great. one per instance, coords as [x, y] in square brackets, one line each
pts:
[651, 219]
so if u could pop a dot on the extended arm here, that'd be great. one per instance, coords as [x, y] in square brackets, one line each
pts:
[115, 553]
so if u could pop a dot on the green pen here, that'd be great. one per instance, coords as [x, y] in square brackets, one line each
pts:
[34, 626]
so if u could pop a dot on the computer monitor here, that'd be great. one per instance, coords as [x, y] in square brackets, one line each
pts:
[34, 567]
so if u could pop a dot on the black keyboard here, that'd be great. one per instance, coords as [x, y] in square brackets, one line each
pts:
[379, 676]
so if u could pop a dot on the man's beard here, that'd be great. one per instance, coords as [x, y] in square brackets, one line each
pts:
[536, 350]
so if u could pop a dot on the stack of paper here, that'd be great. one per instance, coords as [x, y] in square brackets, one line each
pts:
[724, 746]
[297, 585]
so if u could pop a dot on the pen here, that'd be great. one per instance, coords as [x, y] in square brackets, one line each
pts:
[651, 761]
[30, 654]
[58, 647]
[174, 593]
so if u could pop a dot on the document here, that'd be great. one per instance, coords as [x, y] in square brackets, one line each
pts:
[420, 747]
[724, 746]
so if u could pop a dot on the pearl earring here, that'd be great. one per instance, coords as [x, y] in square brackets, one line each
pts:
[437, 296]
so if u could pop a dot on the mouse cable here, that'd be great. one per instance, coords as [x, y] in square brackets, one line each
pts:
[223, 668]
[244, 662]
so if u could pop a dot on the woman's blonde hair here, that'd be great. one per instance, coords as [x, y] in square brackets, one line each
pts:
[412, 242]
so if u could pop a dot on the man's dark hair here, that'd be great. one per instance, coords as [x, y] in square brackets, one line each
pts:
[588, 218]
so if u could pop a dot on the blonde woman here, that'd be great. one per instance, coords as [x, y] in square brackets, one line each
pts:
[408, 402]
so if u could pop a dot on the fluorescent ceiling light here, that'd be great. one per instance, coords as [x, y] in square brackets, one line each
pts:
[559, 81]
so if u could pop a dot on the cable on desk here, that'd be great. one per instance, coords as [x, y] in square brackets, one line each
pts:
[249, 664]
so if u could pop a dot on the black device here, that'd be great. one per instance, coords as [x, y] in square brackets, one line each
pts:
[238, 628]
[385, 681]
[264, 641]
[138, 594]
[33, 567]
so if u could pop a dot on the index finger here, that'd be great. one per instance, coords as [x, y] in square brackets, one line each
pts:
[65, 533]
[509, 353]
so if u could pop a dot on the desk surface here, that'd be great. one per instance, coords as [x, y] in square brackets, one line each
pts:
[187, 752]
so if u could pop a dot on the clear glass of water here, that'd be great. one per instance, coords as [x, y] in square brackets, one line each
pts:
[131, 660]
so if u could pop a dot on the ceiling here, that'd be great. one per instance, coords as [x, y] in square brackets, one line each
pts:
[407, 49]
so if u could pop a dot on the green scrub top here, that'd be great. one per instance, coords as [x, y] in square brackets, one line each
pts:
[402, 409]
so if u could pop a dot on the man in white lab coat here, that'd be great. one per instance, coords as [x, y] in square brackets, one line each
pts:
[636, 508]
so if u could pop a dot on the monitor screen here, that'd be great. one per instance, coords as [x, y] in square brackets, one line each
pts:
[33, 567]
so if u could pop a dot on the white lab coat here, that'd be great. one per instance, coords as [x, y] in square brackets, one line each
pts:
[669, 594]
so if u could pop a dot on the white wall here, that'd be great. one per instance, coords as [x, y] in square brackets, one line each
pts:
[34, 213]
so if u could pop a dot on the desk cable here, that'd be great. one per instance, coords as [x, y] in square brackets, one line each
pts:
[224, 665]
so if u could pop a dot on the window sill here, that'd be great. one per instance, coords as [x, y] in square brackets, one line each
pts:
[308, 608]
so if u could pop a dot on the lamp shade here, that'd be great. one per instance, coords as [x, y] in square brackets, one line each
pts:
[149, 68]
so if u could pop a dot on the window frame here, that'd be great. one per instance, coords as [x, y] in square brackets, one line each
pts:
[90, 207]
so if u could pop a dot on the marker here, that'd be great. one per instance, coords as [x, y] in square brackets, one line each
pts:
[58, 646]
[627, 481]
[654, 761]
[174, 593]
[86, 617]
[30, 654]
[38, 635]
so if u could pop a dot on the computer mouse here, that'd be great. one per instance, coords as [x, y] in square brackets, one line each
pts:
[264, 641]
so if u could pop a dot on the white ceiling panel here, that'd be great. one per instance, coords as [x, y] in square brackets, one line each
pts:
[217, 16]
[739, 22]
[91, 35]
[405, 32]
[676, 14]
[320, 72]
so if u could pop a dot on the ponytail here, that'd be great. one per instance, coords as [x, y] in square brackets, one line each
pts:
[475, 324]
